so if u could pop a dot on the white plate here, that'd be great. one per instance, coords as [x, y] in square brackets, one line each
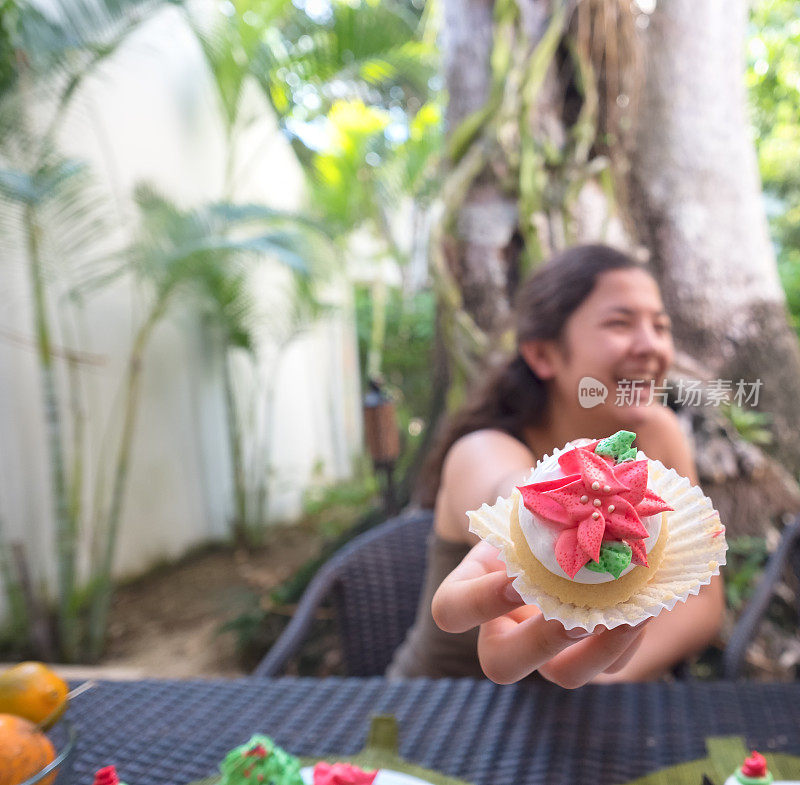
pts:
[385, 777]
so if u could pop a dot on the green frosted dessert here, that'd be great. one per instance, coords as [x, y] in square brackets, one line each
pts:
[260, 762]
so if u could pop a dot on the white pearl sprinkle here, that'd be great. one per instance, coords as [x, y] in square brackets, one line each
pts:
[611, 508]
[584, 499]
[595, 486]
[595, 515]
[607, 488]
[596, 502]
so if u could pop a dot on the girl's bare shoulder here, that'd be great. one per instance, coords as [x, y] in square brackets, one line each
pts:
[478, 468]
[486, 452]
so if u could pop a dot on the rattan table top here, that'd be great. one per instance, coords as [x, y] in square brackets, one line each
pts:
[172, 732]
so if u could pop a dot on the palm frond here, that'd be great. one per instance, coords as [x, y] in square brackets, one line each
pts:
[179, 247]
[361, 47]
[44, 184]
[71, 213]
[231, 42]
[74, 34]
[209, 254]
[61, 46]
[412, 168]
[385, 171]
[227, 213]
[229, 299]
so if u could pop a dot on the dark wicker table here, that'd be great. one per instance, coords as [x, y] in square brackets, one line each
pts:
[159, 732]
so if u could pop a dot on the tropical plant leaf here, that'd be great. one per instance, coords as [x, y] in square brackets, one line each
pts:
[215, 242]
[70, 211]
[74, 34]
[59, 45]
[360, 47]
[44, 184]
[385, 172]
[231, 42]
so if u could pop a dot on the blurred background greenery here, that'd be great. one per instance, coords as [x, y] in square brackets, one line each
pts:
[357, 90]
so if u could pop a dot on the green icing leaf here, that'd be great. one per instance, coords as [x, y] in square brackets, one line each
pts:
[614, 558]
[619, 446]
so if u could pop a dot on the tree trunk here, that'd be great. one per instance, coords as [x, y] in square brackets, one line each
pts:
[697, 204]
[476, 246]
[686, 190]
[692, 191]
[535, 190]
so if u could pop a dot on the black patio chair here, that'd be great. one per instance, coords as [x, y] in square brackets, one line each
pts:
[373, 585]
[786, 554]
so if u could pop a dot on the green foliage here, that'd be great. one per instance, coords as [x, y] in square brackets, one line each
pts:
[56, 218]
[71, 213]
[367, 60]
[355, 87]
[332, 508]
[750, 424]
[232, 45]
[191, 245]
[74, 35]
[410, 328]
[8, 23]
[344, 186]
[746, 559]
[773, 79]
[373, 51]
[371, 162]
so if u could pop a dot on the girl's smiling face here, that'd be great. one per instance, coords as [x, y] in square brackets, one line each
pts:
[619, 333]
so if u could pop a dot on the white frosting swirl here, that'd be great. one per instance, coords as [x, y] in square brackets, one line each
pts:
[541, 535]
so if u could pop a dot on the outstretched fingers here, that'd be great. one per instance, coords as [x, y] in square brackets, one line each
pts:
[515, 639]
[604, 651]
[510, 650]
[475, 592]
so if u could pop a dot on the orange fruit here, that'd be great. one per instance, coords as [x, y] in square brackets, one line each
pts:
[24, 751]
[31, 690]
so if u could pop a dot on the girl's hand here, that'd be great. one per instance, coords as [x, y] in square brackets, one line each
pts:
[514, 638]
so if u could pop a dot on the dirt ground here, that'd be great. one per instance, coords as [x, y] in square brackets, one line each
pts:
[167, 623]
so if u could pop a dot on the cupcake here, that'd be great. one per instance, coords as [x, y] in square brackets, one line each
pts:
[260, 762]
[601, 534]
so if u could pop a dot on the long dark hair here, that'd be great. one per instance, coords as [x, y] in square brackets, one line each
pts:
[512, 397]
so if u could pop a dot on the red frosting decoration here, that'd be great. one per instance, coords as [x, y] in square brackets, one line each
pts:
[755, 766]
[585, 524]
[342, 774]
[106, 776]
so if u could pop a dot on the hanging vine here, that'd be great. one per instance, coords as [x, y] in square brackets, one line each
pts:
[583, 71]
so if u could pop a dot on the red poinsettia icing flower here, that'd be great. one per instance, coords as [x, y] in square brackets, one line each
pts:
[342, 774]
[755, 766]
[596, 500]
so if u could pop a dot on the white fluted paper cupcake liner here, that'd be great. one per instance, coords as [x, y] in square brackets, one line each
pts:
[694, 553]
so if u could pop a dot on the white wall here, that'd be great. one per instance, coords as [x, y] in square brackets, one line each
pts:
[151, 116]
